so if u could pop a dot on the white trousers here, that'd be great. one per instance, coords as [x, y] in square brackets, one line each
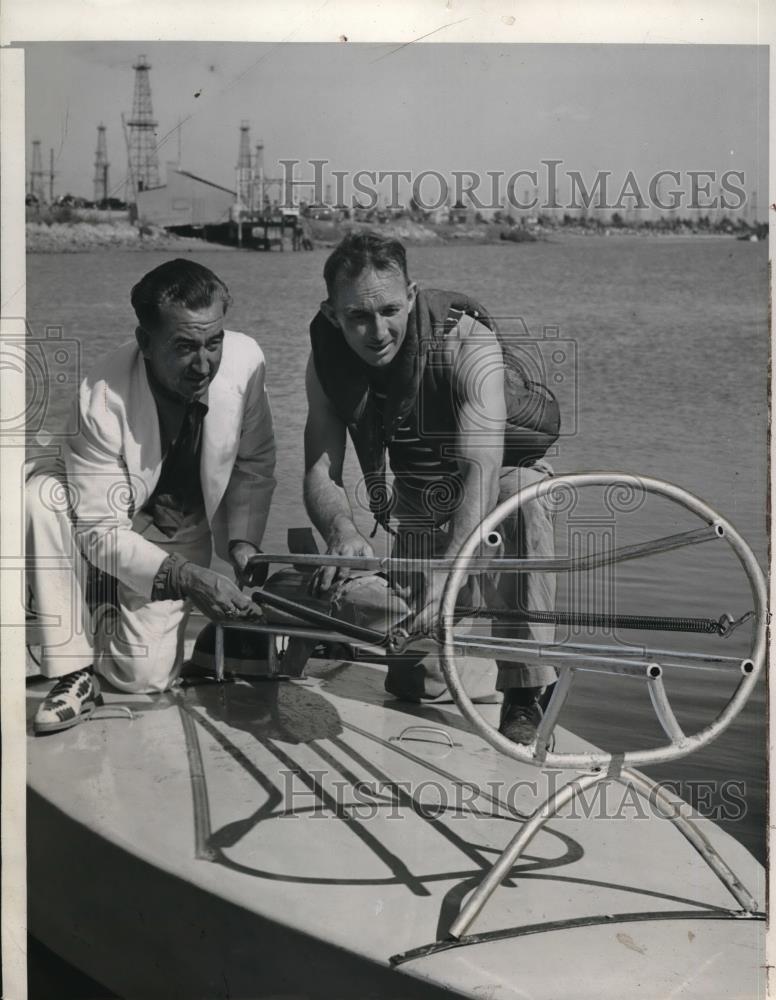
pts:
[138, 647]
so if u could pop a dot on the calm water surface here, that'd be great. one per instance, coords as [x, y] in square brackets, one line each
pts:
[658, 351]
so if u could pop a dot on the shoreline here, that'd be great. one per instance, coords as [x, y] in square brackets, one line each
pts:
[84, 237]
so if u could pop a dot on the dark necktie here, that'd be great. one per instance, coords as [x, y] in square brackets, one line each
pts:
[179, 490]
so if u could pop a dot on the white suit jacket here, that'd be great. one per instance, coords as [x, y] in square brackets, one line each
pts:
[114, 458]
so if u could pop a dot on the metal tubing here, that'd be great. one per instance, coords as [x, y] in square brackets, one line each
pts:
[587, 662]
[304, 632]
[670, 809]
[586, 656]
[615, 664]
[501, 648]
[587, 619]
[504, 564]
[552, 712]
[219, 652]
[663, 710]
[313, 617]
[516, 846]
[718, 528]
[663, 655]
[511, 650]
[686, 825]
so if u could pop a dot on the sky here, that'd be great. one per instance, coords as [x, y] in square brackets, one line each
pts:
[420, 107]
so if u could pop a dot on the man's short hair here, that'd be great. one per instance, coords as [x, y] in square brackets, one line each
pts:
[358, 251]
[177, 282]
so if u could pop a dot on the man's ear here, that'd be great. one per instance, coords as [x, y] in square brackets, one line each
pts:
[328, 312]
[412, 293]
[143, 340]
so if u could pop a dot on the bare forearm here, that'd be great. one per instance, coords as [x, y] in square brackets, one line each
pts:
[480, 494]
[329, 510]
[324, 495]
[327, 505]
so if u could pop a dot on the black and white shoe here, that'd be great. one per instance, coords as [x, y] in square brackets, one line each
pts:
[72, 699]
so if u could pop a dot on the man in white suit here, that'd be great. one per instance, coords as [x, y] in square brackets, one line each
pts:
[172, 454]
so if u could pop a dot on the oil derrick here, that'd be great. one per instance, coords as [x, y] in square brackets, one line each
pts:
[259, 195]
[101, 186]
[51, 177]
[37, 184]
[143, 161]
[752, 208]
[244, 172]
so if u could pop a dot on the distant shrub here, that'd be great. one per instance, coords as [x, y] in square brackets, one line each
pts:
[517, 235]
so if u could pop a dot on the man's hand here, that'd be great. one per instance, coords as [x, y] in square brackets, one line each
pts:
[343, 541]
[324, 493]
[425, 620]
[214, 595]
[239, 554]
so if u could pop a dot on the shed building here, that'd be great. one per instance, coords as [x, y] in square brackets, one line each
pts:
[185, 200]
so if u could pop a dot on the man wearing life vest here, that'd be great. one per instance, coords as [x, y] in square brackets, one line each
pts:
[421, 375]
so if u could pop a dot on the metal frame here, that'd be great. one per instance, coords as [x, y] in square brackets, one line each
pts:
[603, 766]
[503, 564]
[678, 746]
[588, 656]
[646, 664]
[674, 810]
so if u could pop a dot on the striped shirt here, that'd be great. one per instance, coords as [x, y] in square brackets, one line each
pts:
[427, 483]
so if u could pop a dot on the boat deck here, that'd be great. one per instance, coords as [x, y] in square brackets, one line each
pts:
[281, 839]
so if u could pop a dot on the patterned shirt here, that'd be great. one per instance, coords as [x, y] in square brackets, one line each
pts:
[428, 484]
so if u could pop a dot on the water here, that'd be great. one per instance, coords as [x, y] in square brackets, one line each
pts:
[660, 347]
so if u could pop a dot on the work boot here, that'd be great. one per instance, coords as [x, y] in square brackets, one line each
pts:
[522, 711]
[72, 699]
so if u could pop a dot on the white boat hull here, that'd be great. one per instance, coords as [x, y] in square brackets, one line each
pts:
[279, 840]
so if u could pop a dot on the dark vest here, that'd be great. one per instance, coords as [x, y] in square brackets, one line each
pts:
[421, 377]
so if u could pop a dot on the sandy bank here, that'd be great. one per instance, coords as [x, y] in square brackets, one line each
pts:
[78, 237]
